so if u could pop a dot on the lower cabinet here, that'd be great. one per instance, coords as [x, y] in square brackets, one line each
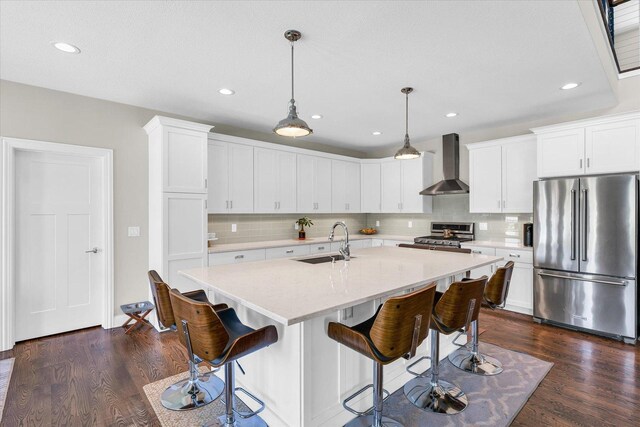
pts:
[236, 257]
[287, 251]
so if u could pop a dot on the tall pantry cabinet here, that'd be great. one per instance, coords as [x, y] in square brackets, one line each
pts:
[177, 198]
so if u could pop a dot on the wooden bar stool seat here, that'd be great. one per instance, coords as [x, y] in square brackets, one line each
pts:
[199, 389]
[220, 338]
[399, 326]
[468, 358]
[453, 309]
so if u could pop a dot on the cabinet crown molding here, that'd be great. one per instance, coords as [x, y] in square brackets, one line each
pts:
[611, 118]
[169, 121]
[502, 141]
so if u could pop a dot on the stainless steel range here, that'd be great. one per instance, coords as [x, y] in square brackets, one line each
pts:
[450, 234]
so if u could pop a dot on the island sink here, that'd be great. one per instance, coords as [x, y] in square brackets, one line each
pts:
[322, 259]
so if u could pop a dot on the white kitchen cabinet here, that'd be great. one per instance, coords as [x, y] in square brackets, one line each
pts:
[274, 181]
[487, 270]
[313, 184]
[230, 181]
[287, 251]
[345, 186]
[501, 175]
[402, 181]
[319, 248]
[353, 244]
[370, 185]
[609, 144]
[520, 297]
[235, 257]
[613, 147]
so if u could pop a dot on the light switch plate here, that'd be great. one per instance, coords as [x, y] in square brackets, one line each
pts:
[483, 226]
[410, 224]
[377, 223]
[234, 228]
[133, 232]
[295, 225]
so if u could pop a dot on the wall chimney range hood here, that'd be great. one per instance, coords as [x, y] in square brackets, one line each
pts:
[451, 183]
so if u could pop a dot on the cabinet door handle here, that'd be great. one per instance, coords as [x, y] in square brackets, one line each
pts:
[475, 251]
[278, 205]
[227, 204]
[588, 163]
[231, 204]
[514, 255]
[206, 183]
[289, 251]
[504, 204]
[320, 248]
[580, 163]
[239, 256]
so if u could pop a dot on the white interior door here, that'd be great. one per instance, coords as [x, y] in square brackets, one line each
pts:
[59, 220]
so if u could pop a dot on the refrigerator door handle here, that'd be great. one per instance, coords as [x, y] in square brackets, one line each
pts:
[582, 279]
[573, 225]
[583, 224]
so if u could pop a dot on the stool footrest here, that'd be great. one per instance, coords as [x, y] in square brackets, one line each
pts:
[249, 414]
[356, 394]
[414, 373]
[462, 332]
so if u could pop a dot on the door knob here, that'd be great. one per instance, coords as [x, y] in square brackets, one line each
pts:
[92, 251]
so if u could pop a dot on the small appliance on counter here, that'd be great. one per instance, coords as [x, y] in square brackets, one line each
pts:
[527, 234]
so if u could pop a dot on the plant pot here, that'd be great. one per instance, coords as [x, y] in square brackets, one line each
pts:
[302, 235]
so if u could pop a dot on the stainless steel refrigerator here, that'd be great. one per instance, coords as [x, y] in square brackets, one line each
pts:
[586, 253]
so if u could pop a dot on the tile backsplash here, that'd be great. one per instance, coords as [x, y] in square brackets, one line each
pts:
[455, 208]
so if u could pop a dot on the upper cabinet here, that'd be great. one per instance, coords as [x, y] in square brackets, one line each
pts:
[345, 186]
[608, 144]
[274, 181]
[401, 183]
[230, 177]
[501, 175]
[370, 185]
[313, 184]
[180, 150]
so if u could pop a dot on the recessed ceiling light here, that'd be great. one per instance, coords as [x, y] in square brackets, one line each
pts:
[225, 91]
[451, 114]
[316, 116]
[376, 133]
[570, 86]
[65, 47]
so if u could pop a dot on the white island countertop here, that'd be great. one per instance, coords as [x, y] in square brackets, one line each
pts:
[288, 291]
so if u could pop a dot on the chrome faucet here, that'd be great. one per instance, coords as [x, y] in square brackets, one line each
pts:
[344, 246]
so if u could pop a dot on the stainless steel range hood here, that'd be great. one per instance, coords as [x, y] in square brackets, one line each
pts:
[451, 183]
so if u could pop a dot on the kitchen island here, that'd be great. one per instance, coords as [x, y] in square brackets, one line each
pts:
[304, 377]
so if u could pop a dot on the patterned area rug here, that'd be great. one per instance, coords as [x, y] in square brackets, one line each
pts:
[6, 367]
[493, 401]
[204, 416]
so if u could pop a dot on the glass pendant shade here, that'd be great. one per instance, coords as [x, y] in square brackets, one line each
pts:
[292, 125]
[407, 152]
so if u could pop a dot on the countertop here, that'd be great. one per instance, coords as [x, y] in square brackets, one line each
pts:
[499, 244]
[289, 292]
[232, 247]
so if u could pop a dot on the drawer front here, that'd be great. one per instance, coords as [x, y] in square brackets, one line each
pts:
[525, 257]
[236, 257]
[481, 250]
[360, 243]
[319, 248]
[288, 251]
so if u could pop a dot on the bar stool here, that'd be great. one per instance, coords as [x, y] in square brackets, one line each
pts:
[220, 338]
[452, 310]
[468, 358]
[199, 389]
[396, 330]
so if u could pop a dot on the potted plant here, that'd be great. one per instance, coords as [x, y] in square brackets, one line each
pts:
[302, 222]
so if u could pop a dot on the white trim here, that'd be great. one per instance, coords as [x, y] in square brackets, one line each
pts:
[627, 74]
[7, 227]
[501, 141]
[177, 123]
[587, 122]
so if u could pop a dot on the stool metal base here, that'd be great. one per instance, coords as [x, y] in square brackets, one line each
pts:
[367, 421]
[478, 364]
[189, 394]
[254, 421]
[443, 398]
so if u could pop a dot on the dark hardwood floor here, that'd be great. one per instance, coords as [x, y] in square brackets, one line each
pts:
[95, 377]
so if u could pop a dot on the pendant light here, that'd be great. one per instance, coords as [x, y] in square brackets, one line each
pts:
[292, 125]
[407, 152]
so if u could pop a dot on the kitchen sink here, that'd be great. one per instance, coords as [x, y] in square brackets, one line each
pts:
[323, 259]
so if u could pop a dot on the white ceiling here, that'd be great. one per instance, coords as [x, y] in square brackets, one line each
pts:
[493, 62]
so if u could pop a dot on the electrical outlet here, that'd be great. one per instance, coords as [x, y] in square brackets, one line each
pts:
[483, 226]
[234, 228]
[295, 226]
[133, 232]
[410, 224]
[377, 223]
